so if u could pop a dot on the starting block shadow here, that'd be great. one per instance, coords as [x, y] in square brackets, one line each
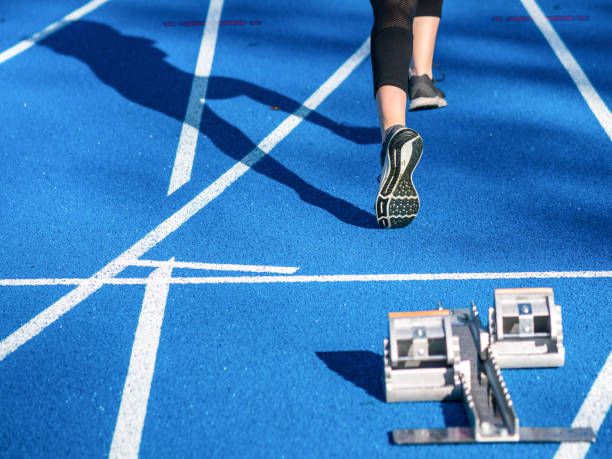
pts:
[361, 368]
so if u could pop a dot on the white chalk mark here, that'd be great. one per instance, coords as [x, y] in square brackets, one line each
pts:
[590, 95]
[185, 153]
[176, 220]
[328, 278]
[592, 412]
[133, 408]
[220, 267]
[29, 42]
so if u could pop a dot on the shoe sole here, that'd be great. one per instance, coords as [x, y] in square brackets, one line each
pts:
[397, 202]
[421, 103]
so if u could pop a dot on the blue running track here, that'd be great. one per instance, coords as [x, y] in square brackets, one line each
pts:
[220, 321]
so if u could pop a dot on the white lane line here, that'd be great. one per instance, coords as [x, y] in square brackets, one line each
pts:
[133, 408]
[310, 279]
[220, 267]
[592, 412]
[176, 220]
[29, 42]
[183, 162]
[595, 103]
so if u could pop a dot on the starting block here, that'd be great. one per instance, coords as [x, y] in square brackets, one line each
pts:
[447, 354]
[525, 329]
[421, 363]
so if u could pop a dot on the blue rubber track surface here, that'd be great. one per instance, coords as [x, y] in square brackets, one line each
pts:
[516, 176]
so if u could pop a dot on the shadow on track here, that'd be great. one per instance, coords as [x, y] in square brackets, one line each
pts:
[362, 368]
[136, 69]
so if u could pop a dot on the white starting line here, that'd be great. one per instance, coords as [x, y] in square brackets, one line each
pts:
[291, 279]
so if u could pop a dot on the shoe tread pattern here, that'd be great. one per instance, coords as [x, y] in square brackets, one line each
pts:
[398, 200]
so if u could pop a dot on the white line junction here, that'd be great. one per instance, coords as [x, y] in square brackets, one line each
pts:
[132, 411]
[126, 439]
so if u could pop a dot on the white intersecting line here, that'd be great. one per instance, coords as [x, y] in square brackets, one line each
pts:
[297, 279]
[219, 267]
[185, 153]
[135, 397]
[84, 289]
[31, 41]
[590, 95]
[592, 412]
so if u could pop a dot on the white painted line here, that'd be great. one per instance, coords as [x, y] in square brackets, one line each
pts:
[592, 413]
[29, 42]
[595, 103]
[37, 324]
[183, 162]
[310, 279]
[133, 408]
[282, 130]
[383, 277]
[221, 267]
[176, 220]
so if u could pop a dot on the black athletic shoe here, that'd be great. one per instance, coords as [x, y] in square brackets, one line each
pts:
[397, 202]
[424, 94]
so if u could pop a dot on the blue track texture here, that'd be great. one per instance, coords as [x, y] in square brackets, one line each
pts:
[516, 176]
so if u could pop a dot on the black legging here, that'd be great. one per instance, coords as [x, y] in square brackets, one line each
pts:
[391, 45]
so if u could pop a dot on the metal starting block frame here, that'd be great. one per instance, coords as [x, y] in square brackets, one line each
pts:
[448, 355]
[525, 329]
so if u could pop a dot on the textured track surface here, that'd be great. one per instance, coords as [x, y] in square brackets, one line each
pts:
[253, 360]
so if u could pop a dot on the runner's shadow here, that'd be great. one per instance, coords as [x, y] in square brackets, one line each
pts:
[137, 70]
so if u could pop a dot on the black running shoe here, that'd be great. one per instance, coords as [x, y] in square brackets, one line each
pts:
[397, 202]
[424, 94]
